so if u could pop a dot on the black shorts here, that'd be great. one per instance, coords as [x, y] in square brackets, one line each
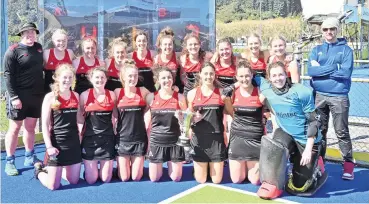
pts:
[31, 106]
[136, 149]
[161, 154]
[66, 157]
[242, 149]
[98, 147]
[208, 148]
[146, 79]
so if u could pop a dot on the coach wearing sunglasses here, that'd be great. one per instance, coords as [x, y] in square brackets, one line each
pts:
[330, 66]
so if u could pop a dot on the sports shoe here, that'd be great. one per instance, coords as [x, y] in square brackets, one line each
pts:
[38, 169]
[30, 160]
[268, 191]
[10, 168]
[348, 171]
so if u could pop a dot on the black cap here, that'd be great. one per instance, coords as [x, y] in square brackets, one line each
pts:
[28, 26]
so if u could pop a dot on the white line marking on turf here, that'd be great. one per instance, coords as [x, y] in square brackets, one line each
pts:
[248, 192]
[184, 193]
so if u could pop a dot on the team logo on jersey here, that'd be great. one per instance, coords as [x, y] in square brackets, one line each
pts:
[82, 68]
[320, 53]
[229, 151]
[39, 50]
[150, 154]
[51, 63]
[83, 151]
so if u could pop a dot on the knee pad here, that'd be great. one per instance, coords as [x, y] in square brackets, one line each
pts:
[273, 162]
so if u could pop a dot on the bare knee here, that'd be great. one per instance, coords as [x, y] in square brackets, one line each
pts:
[14, 129]
[253, 180]
[237, 180]
[124, 178]
[155, 178]
[136, 177]
[91, 179]
[54, 186]
[201, 179]
[29, 128]
[73, 180]
[176, 178]
[106, 179]
[216, 179]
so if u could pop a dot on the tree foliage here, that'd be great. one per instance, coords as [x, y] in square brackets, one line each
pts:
[231, 10]
[20, 12]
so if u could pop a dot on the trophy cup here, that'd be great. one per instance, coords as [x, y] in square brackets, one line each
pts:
[184, 121]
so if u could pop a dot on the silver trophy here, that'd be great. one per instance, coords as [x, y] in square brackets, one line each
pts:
[184, 121]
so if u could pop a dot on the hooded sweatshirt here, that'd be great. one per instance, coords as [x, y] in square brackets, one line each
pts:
[333, 76]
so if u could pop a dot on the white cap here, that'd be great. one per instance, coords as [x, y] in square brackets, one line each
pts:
[330, 23]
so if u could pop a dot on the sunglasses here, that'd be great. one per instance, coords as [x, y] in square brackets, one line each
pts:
[331, 29]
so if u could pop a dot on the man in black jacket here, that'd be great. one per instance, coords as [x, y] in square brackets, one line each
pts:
[23, 65]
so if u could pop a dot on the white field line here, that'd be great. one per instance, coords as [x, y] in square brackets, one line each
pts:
[184, 193]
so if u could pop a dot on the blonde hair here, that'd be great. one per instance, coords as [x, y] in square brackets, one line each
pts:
[248, 51]
[59, 32]
[127, 64]
[88, 39]
[95, 69]
[55, 86]
[166, 32]
[277, 37]
[117, 41]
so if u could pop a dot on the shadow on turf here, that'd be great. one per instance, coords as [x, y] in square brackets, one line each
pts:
[336, 186]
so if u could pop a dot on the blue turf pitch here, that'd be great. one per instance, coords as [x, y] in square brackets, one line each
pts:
[24, 189]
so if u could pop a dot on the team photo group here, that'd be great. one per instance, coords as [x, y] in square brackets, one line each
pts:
[196, 106]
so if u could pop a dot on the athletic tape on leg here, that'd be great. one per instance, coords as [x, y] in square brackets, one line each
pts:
[273, 162]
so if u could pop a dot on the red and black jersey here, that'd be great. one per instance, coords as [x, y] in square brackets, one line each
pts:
[64, 131]
[50, 66]
[82, 83]
[83, 68]
[211, 108]
[144, 71]
[225, 75]
[113, 81]
[248, 115]
[190, 70]
[98, 120]
[52, 62]
[286, 65]
[23, 69]
[172, 64]
[112, 69]
[259, 66]
[131, 124]
[164, 125]
[145, 63]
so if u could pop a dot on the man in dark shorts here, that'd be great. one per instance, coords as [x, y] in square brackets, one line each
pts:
[23, 65]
